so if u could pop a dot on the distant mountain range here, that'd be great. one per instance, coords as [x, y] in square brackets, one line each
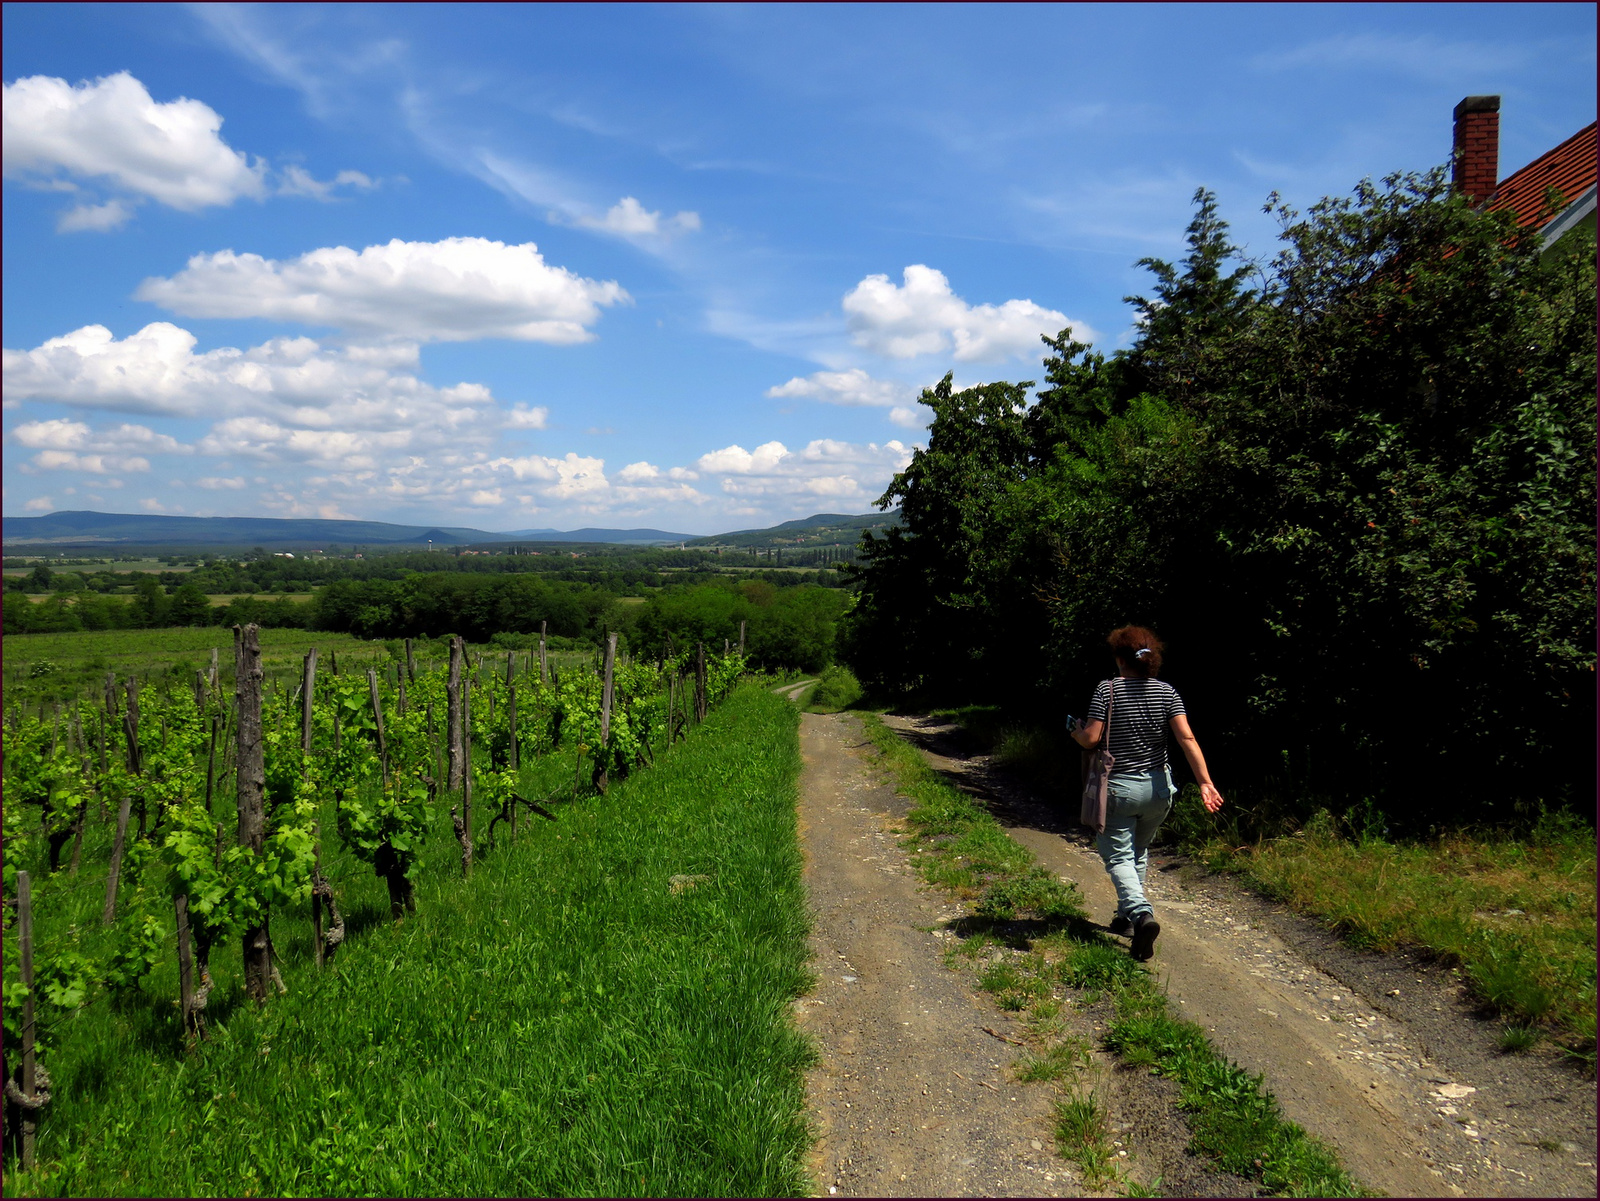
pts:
[824, 529]
[90, 531]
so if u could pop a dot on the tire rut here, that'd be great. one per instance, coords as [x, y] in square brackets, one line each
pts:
[912, 1097]
[1337, 1052]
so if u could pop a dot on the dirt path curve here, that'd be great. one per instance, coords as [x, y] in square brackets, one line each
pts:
[912, 1097]
[1348, 1067]
[793, 692]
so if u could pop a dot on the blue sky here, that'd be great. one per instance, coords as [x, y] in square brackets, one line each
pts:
[686, 267]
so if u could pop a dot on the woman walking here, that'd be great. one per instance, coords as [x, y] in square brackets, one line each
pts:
[1141, 793]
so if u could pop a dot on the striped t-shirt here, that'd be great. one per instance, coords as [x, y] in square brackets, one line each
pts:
[1139, 722]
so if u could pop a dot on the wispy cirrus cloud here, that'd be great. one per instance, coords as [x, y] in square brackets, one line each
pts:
[1428, 56]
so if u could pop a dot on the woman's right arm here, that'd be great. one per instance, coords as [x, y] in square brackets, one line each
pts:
[1209, 796]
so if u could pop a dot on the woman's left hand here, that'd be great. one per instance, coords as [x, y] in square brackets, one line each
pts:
[1210, 797]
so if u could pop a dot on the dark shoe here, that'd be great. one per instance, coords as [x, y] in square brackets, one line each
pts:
[1120, 926]
[1145, 930]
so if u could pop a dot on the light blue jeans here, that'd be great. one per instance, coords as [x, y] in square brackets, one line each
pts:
[1136, 805]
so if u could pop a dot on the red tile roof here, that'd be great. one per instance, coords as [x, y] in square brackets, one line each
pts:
[1569, 168]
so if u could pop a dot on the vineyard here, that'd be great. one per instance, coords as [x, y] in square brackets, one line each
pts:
[186, 867]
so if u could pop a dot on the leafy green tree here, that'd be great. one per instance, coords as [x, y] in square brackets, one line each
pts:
[1358, 501]
[189, 606]
[935, 596]
[150, 604]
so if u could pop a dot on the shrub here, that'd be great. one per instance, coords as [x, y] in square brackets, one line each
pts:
[838, 689]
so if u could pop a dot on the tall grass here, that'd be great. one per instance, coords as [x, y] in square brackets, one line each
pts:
[1516, 914]
[565, 1022]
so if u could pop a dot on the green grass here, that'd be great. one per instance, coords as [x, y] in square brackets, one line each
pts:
[1016, 904]
[560, 1024]
[1516, 914]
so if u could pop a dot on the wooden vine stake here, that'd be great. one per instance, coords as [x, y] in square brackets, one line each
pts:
[514, 761]
[117, 843]
[542, 673]
[452, 719]
[193, 1022]
[463, 823]
[31, 1098]
[377, 718]
[700, 682]
[130, 730]
[603, 757]
[211, 760]
[741, 638]
[411, 663]
[250, 798]
[308, 689]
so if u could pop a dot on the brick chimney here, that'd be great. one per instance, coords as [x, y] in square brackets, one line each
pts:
[1475, 158]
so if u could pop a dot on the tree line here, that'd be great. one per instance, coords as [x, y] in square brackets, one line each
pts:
[1353, 488]
[262, 571]
[785, 624]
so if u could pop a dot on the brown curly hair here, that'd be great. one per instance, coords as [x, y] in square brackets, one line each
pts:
[1128, 642]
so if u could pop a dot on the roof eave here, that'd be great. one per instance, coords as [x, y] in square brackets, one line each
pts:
[1568, 217]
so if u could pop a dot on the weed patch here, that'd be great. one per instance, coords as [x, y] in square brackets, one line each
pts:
[1516, 914]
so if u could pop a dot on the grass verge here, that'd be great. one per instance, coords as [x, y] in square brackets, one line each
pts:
[1030, 931]
[1517, 915]
[567, 1022]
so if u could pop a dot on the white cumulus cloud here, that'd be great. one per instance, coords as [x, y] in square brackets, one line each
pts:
[296, 380]
[842, 472]
[67, 460]
[65, 445]
[454, 290]
[630, 219]
[852, 387]
[521, 417]
[112, 129]
[100, 218]
[923, 315]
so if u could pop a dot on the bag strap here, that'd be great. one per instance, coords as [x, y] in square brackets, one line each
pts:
[1111, 700]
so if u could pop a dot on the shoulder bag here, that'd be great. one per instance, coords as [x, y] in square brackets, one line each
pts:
[1097, 766]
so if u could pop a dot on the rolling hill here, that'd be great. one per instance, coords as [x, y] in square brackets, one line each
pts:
[85, 530]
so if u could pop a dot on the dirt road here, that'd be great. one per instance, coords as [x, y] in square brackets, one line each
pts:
[914, 1097]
